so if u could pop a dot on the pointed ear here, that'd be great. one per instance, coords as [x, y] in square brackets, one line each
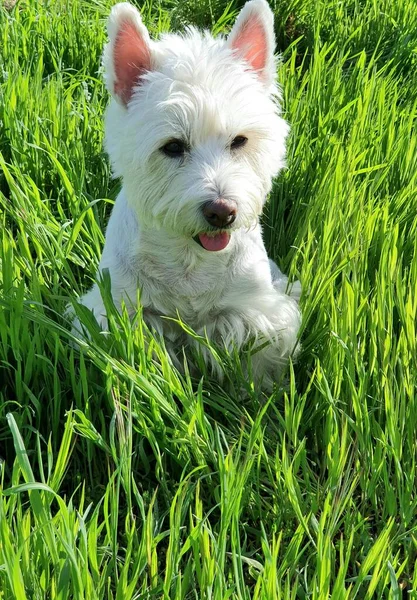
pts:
[127, 55]
[252, 38]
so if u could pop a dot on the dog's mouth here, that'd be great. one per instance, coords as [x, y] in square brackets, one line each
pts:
[213, 242]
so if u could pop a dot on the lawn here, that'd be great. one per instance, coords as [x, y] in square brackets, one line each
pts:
[120, 478]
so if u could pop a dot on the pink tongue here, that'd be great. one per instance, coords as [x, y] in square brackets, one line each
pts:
[214, 243]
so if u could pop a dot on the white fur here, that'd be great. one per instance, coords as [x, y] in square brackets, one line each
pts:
[200, 90]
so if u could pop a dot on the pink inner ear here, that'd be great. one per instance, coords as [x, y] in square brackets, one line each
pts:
[131, 59]
[251, 44]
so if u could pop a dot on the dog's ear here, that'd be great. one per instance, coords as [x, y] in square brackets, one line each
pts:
[252, 38]
[127, 55]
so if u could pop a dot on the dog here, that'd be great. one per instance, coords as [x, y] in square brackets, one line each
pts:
[195, 133]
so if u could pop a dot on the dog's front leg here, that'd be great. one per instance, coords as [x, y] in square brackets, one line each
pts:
[269, 324]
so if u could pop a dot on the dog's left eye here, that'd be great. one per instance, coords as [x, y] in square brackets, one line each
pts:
[238, 142]
[174, 149]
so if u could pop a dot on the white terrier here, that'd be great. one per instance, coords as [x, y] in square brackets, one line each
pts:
[194, 132]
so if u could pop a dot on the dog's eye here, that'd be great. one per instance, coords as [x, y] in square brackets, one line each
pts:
[174, 148]
[238, 142]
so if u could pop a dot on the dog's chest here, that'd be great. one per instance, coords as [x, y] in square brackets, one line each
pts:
[191, 290]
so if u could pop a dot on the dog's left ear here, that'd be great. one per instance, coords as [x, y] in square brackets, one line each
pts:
[252, 38]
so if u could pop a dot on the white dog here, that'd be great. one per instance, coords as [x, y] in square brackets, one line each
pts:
[194, 131]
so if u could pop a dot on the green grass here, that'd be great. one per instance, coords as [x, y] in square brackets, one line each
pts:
[122, 478]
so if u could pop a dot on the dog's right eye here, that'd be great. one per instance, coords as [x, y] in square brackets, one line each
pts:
[174, 149]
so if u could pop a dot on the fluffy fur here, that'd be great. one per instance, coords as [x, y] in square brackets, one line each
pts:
[205, 92]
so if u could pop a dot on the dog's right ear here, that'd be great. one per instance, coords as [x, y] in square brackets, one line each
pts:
[127, 56]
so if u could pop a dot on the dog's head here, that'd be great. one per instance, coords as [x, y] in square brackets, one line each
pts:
[193, 128]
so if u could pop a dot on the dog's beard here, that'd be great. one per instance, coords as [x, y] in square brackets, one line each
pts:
[190, 225]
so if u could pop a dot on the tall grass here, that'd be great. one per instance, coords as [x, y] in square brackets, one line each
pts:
[121, 478]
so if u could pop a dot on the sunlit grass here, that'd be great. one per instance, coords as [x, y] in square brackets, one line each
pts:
[120, 477]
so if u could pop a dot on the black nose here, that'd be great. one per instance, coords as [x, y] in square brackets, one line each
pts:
[220, 213]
